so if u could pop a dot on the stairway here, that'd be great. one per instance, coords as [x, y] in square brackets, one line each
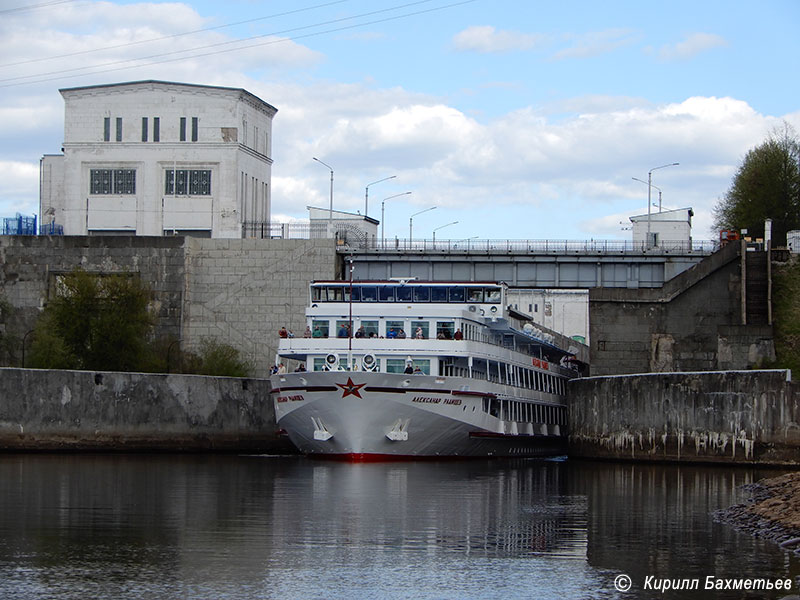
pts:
[756, 288]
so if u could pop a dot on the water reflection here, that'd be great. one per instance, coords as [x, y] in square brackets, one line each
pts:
[80, 526]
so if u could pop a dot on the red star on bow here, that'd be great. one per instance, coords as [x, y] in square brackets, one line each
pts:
[350, 388]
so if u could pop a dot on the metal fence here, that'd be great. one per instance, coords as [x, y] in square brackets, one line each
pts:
[559, 247]
[51, 229]
[19, 225]
[294, 231]
[351, 240]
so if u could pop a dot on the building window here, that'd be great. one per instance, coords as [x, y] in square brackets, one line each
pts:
[144, 129]
[156, 129]
[112, 181]
[107, 129]
[119, 129]
[183, 129]
[194, 129]
[187, 182]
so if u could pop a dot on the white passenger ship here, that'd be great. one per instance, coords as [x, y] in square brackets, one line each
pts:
[430, 370]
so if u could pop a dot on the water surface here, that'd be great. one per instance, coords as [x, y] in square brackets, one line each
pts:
[240, 527]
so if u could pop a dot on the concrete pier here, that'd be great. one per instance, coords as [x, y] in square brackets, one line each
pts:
[103, 411]
[739, 417]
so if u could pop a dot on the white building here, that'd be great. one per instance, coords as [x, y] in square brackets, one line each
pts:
[160, 158]
[563, 311]
[669, 227]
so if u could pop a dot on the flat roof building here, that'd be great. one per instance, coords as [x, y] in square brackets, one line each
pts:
[160, 158]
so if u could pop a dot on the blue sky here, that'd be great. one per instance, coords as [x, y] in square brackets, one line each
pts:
[516, 119]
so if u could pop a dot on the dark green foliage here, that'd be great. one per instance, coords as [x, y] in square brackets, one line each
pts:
[786, 315]
[95, 322]
[767, 185]
[216, 358]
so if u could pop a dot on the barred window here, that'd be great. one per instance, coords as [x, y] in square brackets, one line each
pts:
[187, 182]
[112, 181]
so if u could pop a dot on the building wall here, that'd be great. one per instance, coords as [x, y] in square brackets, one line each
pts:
[730, 417]
[233, 141]
[239, 291]
[565, 311]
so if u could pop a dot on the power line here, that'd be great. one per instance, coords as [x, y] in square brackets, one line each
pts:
[44, 78]
[166, 37]
[219, 44]
[33, 6]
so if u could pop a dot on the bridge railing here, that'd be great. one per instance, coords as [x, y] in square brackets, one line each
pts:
[559, 247]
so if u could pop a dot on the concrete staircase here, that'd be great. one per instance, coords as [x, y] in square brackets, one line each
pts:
[756, 288]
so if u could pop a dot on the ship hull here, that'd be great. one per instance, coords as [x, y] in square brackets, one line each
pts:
[377, 416]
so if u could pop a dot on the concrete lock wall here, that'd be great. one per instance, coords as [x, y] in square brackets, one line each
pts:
[82, 410]
[726, 417]
[240, 292]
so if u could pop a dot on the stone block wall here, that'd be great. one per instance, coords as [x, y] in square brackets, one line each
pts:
[244, 291]
[238, 291]
[692, 323]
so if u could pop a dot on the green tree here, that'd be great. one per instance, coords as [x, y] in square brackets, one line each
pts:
[216, 358]
[766, 185]
[95, 322]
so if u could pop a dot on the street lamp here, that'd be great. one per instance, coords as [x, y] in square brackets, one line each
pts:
[649, 186]
[655, 186]
[411, 221]
[330, 212]
[366, 193]
[441, 227]
[383, 203]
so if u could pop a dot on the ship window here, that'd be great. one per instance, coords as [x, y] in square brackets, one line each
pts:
[370, 328]
[386, 294]
[316, 294]
[457, 294]
[420, 329]
[475, 294]
[319, 364]
[423, 365]
[404, 294]
[422, 294]
[319, 329]
[445, 330]
[335, 294]
[438, 294]
[356, 294]
[342, 329]
[395, 365]
[397, 326]
[492, 295]
[369, 294]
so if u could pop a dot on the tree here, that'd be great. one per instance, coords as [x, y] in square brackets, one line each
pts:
[95, 322]
[766, 186]
[216, 358]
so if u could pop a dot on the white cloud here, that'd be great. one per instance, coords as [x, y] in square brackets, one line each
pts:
[693, 45]
[487, 39]
[596, 43]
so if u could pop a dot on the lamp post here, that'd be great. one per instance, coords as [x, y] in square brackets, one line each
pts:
[411, 221]
[330, 212]
[649, 186]
[366, 193]
[383, 203]
[655, 186]
[441, 227]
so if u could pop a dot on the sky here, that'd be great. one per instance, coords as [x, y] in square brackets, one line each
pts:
[514, 119]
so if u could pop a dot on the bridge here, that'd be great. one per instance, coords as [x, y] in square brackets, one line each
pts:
[565, 264]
